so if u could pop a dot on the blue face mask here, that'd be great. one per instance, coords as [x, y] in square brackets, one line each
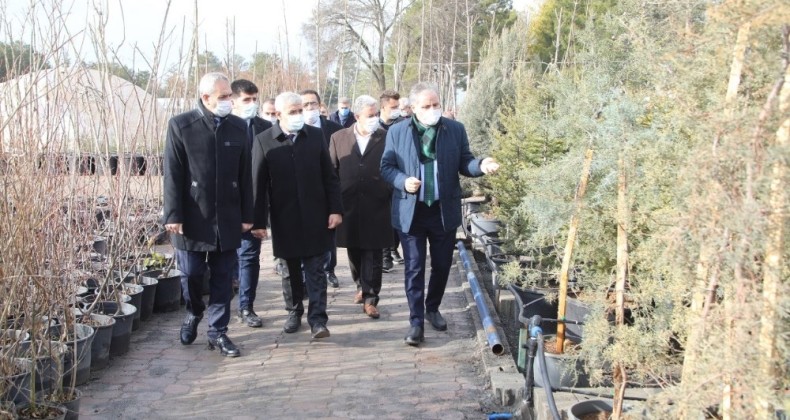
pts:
[343, 112]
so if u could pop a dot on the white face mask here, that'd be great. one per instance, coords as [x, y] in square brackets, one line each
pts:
[270, 118]
[223, 108]
[429, 116]
[295, 122]
[394, 114]
[371, 125]
[311, 116]
[249, 111]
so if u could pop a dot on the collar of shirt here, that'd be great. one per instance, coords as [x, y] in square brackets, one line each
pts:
[362, 141]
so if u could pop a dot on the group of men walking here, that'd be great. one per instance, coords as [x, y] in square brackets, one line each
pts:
[239, 170]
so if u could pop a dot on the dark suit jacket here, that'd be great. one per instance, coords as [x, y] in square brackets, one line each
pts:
[328, 128]
[207, 181]
[295, 185]
[401, 160]
[366, 196]
[259, 125]
[350, 120]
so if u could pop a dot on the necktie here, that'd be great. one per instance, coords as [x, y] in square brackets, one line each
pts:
[250, 132]
[291, 137]
[428, 197]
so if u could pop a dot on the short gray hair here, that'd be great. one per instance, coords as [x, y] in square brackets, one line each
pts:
[364, 101]
[286, 99]
[208, 83]
[343, 100]
[421, 87]
[404, 102]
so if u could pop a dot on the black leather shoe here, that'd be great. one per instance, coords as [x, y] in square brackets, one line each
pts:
[292, 324]
[396, 258]
[320, 331]
[437, 321]
[415, 336]
[387, 265]
[189, 328]
[332, 279]
[226, 347]
[249, 317]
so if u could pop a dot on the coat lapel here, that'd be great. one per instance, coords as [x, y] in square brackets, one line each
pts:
[375, 139]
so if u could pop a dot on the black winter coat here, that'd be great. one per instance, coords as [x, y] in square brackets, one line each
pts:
[207, 180]
[366, 196]
[295, 185]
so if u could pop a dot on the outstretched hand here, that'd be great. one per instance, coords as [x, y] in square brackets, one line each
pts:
[489, 166]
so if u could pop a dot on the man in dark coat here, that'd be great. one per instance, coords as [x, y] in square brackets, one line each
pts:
[422, 160]
[208, 204]
[311, 103]
[343, 115]
[356, 155]
[245, 106]
[295, 185]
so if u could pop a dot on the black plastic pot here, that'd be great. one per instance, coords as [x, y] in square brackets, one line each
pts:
[147, 300]
[122, 330]
[72, 407]
[100, 347]
[575, 310]
[584, 408]
[565, 371]
[79, 350]
[49, 359]
[16, 388]
[136, 293]
[168, 290]
[533, 302]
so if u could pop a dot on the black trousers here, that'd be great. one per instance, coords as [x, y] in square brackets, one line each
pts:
[366, 265]
[310, 272]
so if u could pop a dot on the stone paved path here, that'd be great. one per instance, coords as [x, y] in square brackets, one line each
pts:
[363, 371]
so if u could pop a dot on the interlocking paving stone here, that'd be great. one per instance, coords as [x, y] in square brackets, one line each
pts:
[363, 371]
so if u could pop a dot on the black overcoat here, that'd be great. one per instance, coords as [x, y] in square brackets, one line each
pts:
[366, 196]
[207, 180]
[296, 187]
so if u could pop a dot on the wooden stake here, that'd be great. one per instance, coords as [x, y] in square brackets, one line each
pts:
[622, 276]
[566, 258]
[774, 252]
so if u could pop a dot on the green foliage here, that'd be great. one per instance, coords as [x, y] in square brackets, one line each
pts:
[17, 58]
[493, 86]
[644, 84]
[571, 16]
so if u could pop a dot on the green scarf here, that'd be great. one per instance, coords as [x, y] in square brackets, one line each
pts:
[428, 140]
[427, 157]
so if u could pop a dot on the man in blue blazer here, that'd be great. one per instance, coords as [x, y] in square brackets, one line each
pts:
[422, 159]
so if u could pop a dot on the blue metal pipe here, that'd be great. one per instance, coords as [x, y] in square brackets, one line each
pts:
[488, 324]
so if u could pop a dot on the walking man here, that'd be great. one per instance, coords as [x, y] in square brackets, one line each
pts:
[208, 205]
[422, 160]
[356, 156]
[311, 103]
[245, 106]
[295, 184]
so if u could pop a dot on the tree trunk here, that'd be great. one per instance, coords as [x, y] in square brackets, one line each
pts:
[566, 258]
